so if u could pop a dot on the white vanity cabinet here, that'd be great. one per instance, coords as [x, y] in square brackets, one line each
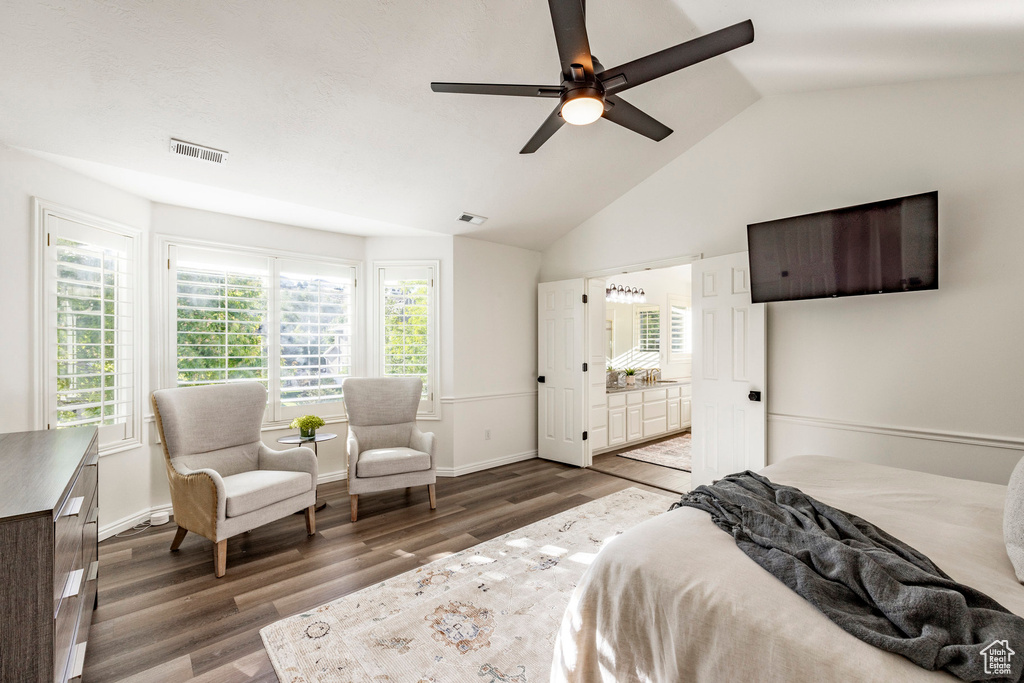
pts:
[647, 412]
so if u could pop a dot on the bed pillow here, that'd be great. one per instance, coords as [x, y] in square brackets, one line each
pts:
[1013, 520]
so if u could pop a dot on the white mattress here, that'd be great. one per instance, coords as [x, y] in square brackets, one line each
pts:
[675, 600]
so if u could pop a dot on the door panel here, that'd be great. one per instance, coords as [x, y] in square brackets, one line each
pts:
[729, 363]
[616, 426]
[597, 428]
[634, 423]
[560, 396]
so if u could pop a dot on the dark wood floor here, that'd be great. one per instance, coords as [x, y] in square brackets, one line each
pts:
[164, 618]
[643, 472]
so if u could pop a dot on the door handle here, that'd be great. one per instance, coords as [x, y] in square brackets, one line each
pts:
[541, 379]
[754, 396]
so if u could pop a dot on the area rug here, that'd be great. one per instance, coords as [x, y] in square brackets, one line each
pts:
[489, 613]
[674, 453]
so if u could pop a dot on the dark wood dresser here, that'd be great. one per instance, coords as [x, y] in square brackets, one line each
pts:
[49, 558]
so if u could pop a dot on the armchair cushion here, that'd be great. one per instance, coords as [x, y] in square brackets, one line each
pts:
[382, 462]
[248, 491]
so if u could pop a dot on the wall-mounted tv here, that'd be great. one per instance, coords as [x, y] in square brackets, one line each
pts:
[888, 246]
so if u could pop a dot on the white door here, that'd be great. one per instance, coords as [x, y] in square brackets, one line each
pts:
[597, 425]
[560, 378]
[728, 364]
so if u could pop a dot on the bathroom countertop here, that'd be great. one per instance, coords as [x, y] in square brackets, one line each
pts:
[641, 387]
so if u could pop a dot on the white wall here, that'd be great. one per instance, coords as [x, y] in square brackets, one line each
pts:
[928, 380]
[495, 365]
[124, 476]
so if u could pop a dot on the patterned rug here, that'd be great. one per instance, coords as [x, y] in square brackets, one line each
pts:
[489, 613]
[674, 453]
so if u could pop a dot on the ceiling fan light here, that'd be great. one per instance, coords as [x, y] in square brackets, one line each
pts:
[580, 111]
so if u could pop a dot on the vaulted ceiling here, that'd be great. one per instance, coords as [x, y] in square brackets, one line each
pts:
[326, 110]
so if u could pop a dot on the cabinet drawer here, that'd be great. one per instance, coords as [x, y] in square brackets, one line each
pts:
[65, 624]
[68, 529]
[685, 389]
[634, 397]
[652, 410]
[616, 400]
[655, 395]
[672, 392]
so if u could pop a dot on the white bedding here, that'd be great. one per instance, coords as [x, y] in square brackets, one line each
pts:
[674, 600]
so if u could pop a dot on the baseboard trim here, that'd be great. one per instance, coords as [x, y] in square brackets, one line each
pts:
[486, 464]
[903, 432]
[448, 400]
[125, 523]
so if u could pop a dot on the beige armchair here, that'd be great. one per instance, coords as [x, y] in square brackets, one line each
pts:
[385, 449]
[223, 479]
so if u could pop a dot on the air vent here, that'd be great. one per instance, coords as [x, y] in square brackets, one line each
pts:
[472, 218]
[189, 149]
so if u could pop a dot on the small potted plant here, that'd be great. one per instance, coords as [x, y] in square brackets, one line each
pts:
[307, 425]
[630, 376]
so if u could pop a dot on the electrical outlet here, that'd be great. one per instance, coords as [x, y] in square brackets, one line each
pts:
[487, 435]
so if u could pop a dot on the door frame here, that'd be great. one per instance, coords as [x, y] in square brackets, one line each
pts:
[606, 274]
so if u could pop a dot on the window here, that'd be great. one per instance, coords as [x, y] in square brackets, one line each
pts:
[91, 332]
[288, 323]
[316, 330]
[680, 336]
[406, 325]
[649, 330]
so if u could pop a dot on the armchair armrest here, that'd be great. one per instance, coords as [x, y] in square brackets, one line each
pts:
[353, 452]
[421, 441]
[301, 459]
[199, 499]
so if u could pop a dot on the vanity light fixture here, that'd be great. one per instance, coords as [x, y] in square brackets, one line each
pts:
[618, 294]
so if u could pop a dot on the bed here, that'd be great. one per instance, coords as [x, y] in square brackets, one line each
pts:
[674, 599]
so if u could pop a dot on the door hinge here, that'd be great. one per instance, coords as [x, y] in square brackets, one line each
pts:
[584, 298]
[584, 436]
[47, 244]
[168, 264]
[584, 367]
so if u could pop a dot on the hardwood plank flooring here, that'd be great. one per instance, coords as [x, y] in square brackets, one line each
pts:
[643, 472]
[164, 617]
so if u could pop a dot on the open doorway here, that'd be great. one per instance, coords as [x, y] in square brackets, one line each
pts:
[647, 335]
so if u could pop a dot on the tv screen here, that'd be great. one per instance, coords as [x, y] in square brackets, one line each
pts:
[889, 246]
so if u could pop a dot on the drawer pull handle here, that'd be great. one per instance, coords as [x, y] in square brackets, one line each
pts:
[94, 570]
[74, 585]
[79, 663]
[93, 515]
[74, 506]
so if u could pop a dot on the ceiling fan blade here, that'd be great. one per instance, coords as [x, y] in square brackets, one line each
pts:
[551, 124]
[570, 24]
[671, 59]
[499, 89]
[628, 116]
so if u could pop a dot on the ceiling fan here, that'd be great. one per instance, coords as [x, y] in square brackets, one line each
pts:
[589, 91]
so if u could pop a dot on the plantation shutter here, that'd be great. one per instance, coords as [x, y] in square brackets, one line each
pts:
[316, 304]
[680, 337]
[222, 316]
[407, 323]
[649, 330]
[92, 326]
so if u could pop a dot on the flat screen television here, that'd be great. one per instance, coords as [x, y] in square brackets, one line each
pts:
[888, 246]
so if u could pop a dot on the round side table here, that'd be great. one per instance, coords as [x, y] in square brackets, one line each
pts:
[296, 440]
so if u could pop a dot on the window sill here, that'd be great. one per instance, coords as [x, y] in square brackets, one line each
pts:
[120, 447]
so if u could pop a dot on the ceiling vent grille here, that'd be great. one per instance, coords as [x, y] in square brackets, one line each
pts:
[189, 149]
[472, 218]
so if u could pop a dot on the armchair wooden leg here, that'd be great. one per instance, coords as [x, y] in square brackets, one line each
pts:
[179, 536]
[311, 520]
[220, 558]
[433, 499]
[354, 500]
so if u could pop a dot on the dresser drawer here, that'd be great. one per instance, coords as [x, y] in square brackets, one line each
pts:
[69, 528]
[634, 397]
[655, 395]
[65, 624]
[616, 400]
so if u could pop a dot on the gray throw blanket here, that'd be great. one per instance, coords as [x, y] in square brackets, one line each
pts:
[871, 584]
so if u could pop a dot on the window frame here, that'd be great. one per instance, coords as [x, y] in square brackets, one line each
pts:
[679, 301]
[639, 311]
[276, 415]
[429, 406]
[46, 333]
